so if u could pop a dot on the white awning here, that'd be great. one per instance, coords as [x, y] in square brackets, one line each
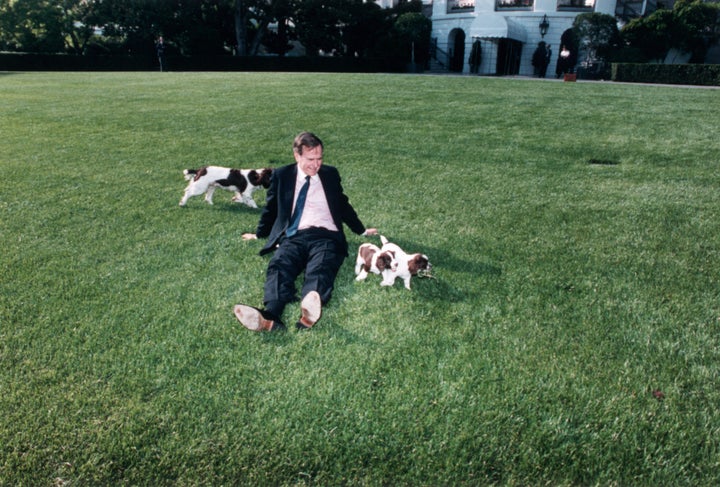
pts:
[495, 25]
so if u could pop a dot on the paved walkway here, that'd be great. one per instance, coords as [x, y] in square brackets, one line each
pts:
[560, 80]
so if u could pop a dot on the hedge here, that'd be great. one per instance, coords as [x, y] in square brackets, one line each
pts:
[63, 62]
[674, 74]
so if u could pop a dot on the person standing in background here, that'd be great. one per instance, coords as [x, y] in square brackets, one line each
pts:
[160, 50]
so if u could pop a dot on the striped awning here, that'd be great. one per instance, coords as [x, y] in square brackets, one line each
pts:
[497, 26]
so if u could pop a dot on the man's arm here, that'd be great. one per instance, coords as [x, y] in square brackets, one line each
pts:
[269, 211]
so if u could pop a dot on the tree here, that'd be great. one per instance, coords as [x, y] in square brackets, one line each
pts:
[691, 26]
[696, 26]
[366, 25]
[133, 25]
[281, 12]
[78, 18]
[31, 26]
[241, 19]
[355, 28]
[414, 31]
[190, 28]
[202, 28]
[318, 25]
[651, 35]
[597, 33]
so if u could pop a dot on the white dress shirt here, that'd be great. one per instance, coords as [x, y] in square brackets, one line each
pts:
[316, 212]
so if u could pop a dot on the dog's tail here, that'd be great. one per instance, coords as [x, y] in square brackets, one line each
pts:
[190, 173]
[383, 240]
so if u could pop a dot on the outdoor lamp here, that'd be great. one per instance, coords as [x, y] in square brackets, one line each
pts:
[544, 26]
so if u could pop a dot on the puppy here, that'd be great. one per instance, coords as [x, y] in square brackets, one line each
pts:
[243, 182]
[408, 265]
[371, 259]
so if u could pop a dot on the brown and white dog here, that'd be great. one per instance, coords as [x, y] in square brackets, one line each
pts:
[371, 259]
[408, 265]
[243, 182]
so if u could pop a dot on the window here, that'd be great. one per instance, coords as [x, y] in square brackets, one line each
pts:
[457, 6]
[576, 5]
[514, 4]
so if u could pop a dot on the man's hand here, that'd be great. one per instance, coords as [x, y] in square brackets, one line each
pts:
[371, 231]
[249, 236]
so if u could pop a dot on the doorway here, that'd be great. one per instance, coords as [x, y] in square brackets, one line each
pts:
[457, 54]
[508, 60]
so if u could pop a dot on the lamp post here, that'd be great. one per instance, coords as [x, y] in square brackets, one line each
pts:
[544, 26]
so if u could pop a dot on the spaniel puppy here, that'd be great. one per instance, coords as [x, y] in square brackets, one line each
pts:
[408, 265]
[371, 259]
[243, 182]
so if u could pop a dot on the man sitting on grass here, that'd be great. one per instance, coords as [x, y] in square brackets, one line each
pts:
[303, 222]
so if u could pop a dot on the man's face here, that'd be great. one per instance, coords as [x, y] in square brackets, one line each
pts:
[310, 160]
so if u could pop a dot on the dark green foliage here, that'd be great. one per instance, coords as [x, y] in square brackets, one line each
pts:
[691, 26]
[676, 74]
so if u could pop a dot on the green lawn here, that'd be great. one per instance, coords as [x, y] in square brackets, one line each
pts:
[570, 336]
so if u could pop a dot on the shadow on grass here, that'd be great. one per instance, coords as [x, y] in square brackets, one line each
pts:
[442, 258]
[329, 328]
[277, 338]
[226, 206]
[341, 333]
[436, 286]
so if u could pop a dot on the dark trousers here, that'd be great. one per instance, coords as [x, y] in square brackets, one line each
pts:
[317, 252]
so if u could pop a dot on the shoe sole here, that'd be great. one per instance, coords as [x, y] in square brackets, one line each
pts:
[251, 318]
[311, 309]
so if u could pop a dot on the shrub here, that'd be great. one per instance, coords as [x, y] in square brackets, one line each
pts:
[674, 74]
[63, 62]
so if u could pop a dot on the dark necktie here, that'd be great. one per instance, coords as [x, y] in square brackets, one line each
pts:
[299, 205]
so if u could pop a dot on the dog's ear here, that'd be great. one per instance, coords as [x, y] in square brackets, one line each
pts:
[265, 177]
[383, 262]
[365, 253]
[201, 172]
[417, 263]
[253, 177]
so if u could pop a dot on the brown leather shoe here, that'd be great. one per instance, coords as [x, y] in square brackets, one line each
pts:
[255, 319]
[311, 309]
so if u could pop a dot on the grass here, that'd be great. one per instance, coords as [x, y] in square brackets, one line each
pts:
[570, 336]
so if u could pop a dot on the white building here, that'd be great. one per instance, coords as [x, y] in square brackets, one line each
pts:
[508, 31]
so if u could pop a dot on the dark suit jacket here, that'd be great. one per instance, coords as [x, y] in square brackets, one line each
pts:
[275, 216]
